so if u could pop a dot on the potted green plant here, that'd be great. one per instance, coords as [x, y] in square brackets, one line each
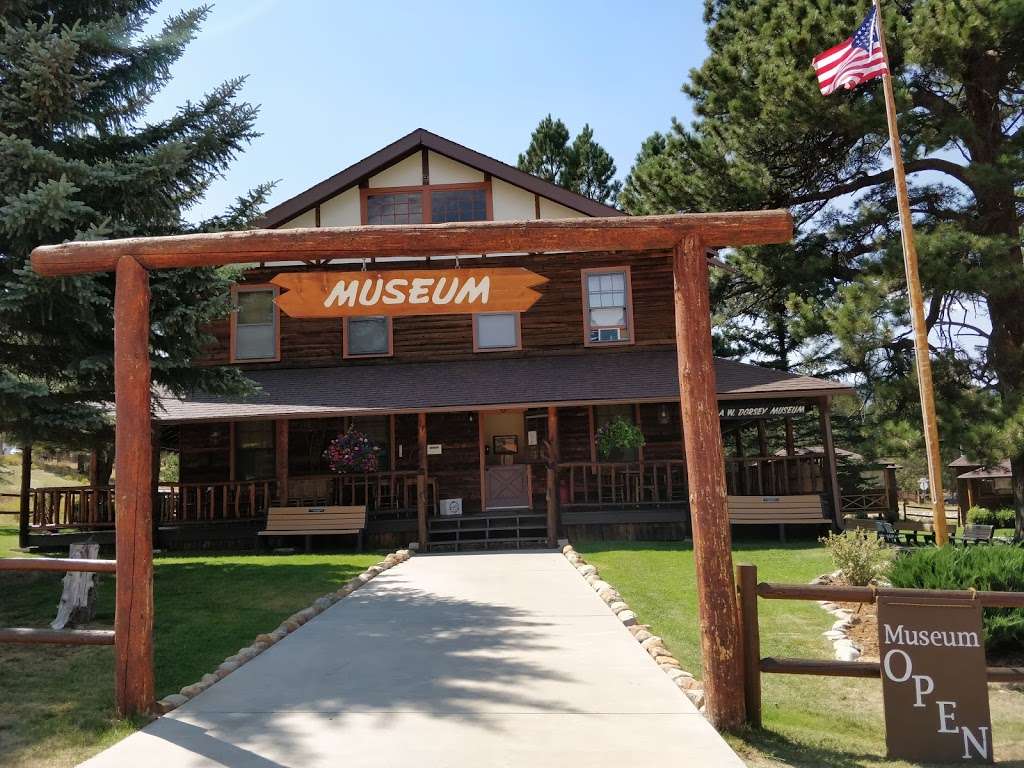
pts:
[616, 436]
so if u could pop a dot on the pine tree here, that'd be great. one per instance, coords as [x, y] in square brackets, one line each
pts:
[584, 166]
[78, 160]
[765, 137]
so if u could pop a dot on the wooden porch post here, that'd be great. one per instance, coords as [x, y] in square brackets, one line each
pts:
[721, 644]
[25, 493]
[762, 438]
[281, 459]
[825, 419]
[421, 482]
[552, 476]
[133, 616]
[790, 441]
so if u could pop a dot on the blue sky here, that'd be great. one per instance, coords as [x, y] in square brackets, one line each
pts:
[338, 80]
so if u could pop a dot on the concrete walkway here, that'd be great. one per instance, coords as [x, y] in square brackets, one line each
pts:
[477, 660]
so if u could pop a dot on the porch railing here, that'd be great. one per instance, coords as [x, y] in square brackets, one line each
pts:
[594, 484]
[72, 506]
[215, 502]
[386, 495]
[866, 502]
[586, 484]
[774, 475]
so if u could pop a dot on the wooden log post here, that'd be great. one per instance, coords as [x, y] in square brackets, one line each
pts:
[280, 461]
[421, 482]
[825, 420]
[552, 477]
[133, 617]
[790, 439]
[24, 500]
[746, 583]
[721, 643]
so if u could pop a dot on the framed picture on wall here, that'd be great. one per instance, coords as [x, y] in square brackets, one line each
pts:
[506, 445]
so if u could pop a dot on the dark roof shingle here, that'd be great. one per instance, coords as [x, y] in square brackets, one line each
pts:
[642, 375]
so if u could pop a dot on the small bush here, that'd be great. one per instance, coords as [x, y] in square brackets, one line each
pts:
[981, 516]
[859, 555]
[996, 568]
[1005, 518]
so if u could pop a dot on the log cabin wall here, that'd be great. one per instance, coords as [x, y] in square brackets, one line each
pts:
[457, 467]
[573, 434]
[554, 323]
[663, 440]
[205, 452]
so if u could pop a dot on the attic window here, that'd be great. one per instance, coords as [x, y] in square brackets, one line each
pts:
[395, 208]
[458, 205]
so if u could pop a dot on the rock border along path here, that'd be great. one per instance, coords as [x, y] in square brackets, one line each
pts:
[286, 627]
[651, 643]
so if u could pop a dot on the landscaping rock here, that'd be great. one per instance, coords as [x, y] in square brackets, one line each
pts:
[567, 548]
[669, 661]
[697, 697]
[641, 634]
[652, 641]
[167, 703]
[226, 668]
[323, 603]
[618, 606]
[587, 570]
[847, 654]
[626, 617]
[266, 639]
[191, 691]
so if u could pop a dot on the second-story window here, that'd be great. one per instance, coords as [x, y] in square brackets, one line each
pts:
[254, 324]
[607, 306]
[427, 204]
[493, 331]
[458, 205]
[395, 208]
[367, 337]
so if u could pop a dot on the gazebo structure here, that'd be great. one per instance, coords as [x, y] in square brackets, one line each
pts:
[687, 237]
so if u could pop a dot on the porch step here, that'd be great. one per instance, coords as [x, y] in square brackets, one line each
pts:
[506, 530]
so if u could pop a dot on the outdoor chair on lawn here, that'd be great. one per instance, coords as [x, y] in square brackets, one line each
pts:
[887, 533]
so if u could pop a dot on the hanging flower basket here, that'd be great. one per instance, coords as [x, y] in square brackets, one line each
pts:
[353, 452]
[618, 435]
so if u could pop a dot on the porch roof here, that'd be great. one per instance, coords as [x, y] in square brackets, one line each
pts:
[482, 383]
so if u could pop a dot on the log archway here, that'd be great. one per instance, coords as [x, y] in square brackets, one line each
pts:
[687, 236]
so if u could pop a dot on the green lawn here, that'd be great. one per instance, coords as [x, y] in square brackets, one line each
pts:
[56, 703]
[808, 721]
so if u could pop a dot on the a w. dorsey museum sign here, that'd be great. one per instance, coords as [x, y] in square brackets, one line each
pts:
[934, 680]
[407, 292]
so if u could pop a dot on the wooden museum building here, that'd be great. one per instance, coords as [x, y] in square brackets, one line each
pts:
[497, 400]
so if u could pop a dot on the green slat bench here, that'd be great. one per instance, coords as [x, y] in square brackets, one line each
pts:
[315, 521]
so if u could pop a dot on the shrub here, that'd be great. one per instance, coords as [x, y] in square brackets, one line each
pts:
[981, 516]
[1005, 518]
[995, 568]
[859, 555]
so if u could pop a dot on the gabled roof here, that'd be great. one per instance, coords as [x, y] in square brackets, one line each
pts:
[408, 145]
[591, 378]
[1002, 469]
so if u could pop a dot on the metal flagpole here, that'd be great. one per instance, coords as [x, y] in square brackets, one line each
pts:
[924, 366]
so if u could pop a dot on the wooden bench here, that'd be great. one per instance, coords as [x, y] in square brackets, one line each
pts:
[315, 521]
[975, 534]
[777, 510]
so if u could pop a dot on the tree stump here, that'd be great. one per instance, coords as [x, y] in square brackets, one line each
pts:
[78, 601]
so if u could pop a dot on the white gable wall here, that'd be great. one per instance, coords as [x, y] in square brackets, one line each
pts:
[307, 219]
[341, 210]
[511, 203]
[444, 170]
[404, 173]
[549, 209]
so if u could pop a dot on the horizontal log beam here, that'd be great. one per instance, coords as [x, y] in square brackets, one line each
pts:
[26, 635]
[632, 233]
[868, 595]
[57, 564]
[826, 668]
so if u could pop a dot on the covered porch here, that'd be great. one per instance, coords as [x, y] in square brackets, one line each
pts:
[505, 457]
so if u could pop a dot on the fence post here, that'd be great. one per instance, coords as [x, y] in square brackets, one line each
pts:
[746, 582]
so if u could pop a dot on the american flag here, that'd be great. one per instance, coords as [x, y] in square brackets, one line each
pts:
[854, 61]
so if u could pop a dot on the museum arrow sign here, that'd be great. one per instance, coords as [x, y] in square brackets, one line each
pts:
[407, 292]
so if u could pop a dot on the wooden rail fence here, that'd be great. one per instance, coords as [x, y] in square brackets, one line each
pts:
[32, 635]
[749, 590]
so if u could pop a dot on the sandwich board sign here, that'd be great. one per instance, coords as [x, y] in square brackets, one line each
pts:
[934, 680]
